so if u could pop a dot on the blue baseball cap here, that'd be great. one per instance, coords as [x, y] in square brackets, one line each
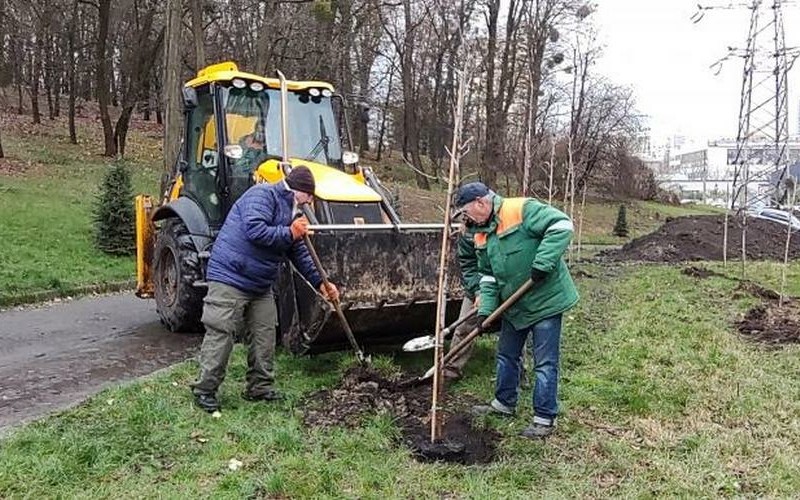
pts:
[470, 192]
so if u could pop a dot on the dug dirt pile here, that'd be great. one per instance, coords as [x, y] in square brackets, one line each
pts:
[699, 237]
[772, 323]
[363, 391]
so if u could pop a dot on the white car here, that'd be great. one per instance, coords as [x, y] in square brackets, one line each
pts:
[780, 216]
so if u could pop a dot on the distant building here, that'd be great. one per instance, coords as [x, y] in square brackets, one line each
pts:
[706, 174]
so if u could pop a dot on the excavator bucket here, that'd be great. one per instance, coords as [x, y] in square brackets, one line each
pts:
[388, 281]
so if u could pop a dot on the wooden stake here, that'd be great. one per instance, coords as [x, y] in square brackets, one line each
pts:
[744, 220]
[580, 219]
[725, 228]
[441, 300]
[786, 249]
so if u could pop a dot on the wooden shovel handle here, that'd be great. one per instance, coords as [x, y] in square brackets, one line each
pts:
[345, 325]
[456, 349]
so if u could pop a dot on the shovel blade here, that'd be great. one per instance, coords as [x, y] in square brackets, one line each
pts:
[420, 344]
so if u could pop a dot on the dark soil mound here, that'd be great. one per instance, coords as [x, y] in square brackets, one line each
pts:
[364, 391]
[699, 237]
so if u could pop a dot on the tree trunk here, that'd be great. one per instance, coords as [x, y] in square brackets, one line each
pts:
[102, 77]
[172, 107]
[73, 136]
[141, 67]
[148, 100]
[34, 88]
[410, 125]
[48, 71]
[264, 40]
[121, 129]
[197, 31]
[20, 106]
[48, 91]
[385, 112]
[2, 155]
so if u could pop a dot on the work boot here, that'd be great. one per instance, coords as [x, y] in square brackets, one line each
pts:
[268, 395]
[539, 429]
[207, 402]
[451, 374]
[493, 408]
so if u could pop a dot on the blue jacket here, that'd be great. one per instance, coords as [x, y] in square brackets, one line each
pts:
[255, 240]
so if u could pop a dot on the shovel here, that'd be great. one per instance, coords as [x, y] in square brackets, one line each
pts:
[429, 341]
[456, 349]
[345, 325]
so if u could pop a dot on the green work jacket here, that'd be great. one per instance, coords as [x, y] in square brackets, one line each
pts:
[522, 234]
[468, 263]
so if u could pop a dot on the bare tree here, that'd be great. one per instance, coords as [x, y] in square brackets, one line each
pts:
[73, 27]
[171, 90]
[197, 32]
[102, 79]
[142, 47]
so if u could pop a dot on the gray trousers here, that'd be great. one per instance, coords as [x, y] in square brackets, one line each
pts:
[457, 363]
[228, 312]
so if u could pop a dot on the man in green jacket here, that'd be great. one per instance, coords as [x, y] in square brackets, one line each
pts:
[517, 239]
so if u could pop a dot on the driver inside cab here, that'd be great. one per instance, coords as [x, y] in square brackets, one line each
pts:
[254, 150]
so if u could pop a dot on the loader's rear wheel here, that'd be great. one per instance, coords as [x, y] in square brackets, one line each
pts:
[176, 268]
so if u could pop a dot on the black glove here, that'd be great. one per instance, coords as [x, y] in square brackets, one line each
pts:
[482, 319]
[537, 275]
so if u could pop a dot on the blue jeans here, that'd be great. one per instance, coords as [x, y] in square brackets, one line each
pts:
[545, 350]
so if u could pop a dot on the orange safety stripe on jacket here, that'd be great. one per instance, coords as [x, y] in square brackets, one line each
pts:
[508, 217]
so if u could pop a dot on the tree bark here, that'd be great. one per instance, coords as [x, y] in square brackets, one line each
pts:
[121, 129]
[34, 84]
[73, 136]
[197, 31]
[2, 155]
[172, 106]
[20, 97]
[264, 40]
[385, 112]
[490, 156]
[142, 67]
[102, 77]
[410, 124]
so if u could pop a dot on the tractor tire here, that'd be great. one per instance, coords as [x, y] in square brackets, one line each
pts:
[176, 268]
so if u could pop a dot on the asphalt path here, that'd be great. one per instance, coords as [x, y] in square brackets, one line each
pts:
[56, 355]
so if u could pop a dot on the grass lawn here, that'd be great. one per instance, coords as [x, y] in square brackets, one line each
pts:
[46, 203]
[659, 399]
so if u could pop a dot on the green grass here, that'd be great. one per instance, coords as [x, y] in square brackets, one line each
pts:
[659, 399]
[46, 236]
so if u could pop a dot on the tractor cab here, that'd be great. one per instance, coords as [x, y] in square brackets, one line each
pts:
[234, 138]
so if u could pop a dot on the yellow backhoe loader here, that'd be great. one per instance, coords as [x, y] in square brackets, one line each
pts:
[236, 133]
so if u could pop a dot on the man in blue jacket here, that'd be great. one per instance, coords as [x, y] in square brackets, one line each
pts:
[260, 232]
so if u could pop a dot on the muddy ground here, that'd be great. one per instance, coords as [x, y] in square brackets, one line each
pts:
[700, 237]
[55, 355]
[773, 323]
[363, 391]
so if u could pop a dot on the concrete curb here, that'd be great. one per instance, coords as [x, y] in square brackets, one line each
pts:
[33, 297]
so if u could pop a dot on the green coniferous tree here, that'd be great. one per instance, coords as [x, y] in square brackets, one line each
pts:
[621, 226]
[114, 217]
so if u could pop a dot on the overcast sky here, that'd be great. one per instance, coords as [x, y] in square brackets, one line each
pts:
[653, 46]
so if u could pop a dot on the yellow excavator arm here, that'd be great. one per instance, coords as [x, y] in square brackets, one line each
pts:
[145, 239]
